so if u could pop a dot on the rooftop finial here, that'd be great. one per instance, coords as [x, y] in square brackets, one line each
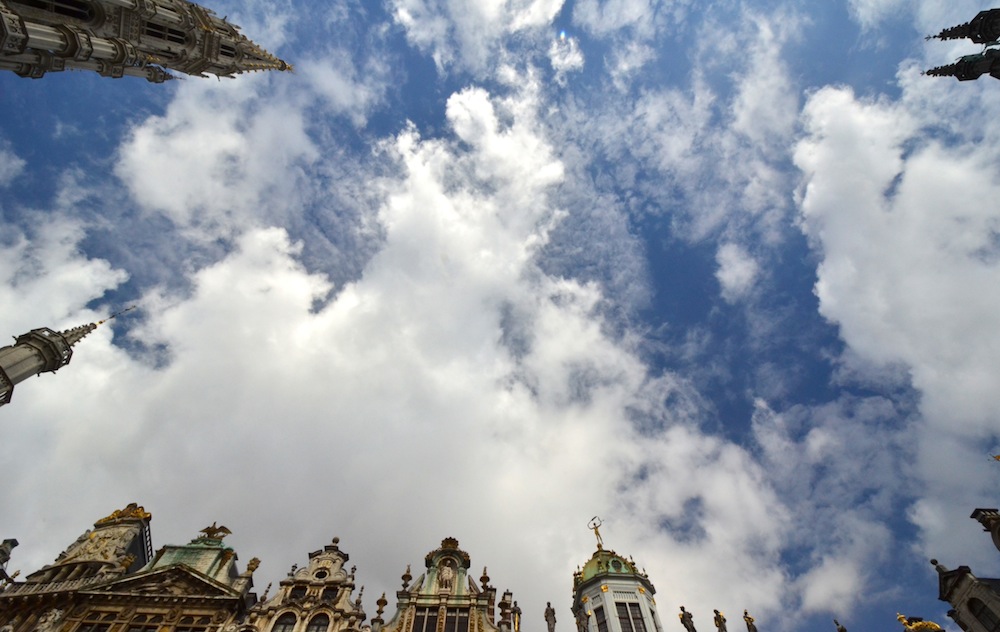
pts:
[595, 524]
[117, 314]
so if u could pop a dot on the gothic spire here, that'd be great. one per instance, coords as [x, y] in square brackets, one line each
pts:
[982, 29]
[39, 351]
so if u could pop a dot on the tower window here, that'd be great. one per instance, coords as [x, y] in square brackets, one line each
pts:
[630, 617]
[227, 50]
[165, 33]
[602, 622]
[75, 9]
[426, 620]
[984, 615]
[319, 623]
[285, 623]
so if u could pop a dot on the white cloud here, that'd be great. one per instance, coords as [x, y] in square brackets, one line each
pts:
[454, 388]
[218, 158]
[348, 90]
[909, 266]
[565, 56]
[11, 165]
[467, 34]
[737, 271]
[603, 17]
[45, 279]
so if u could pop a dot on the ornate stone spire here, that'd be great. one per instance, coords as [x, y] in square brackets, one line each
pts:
[982, 29]
[39, 351]
[144, 38]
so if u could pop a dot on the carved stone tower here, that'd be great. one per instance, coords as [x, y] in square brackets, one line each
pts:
[315, 598]
[38, 351]
[611, 595]
[446, 599]
[143, 38]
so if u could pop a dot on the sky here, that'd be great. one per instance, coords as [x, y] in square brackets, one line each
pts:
[721, 273]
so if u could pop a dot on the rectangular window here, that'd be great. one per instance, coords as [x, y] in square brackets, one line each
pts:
[426, 620]
[456, 621]
[602, 623]
[630, 617]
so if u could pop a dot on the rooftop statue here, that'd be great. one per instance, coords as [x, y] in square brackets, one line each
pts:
[751, 626]
[687, 620]
[916, 624]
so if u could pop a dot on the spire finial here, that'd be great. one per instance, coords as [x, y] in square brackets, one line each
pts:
[117, 314]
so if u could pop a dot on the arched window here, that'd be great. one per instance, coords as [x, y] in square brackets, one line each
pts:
[285, 623]
[984, 615]
[319, 623]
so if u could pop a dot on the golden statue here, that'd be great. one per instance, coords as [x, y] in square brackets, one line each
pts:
[595, 524]
[916, 624]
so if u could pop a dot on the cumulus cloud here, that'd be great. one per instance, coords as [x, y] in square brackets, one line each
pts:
[737, 271]
[11, 165]
[565, 56]
[917, 289]
[209, 169]
[454, 387]
[466, 34]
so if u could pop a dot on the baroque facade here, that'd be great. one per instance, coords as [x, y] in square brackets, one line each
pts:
[975, 601]
[110, 580]
[115, 38]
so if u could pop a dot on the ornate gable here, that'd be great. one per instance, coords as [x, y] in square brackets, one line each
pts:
[172, 583]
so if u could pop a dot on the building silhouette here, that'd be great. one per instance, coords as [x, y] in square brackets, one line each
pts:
[143, 38]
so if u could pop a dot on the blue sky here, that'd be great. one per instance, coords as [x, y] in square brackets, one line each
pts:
[722, 273]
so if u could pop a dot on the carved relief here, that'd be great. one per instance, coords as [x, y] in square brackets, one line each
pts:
[104, 545]
[49, 621]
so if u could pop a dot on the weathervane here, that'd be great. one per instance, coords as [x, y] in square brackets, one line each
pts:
[595, 524]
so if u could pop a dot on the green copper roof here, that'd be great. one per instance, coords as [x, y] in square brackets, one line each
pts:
[606, 563]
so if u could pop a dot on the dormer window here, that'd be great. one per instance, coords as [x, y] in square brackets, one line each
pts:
[330, 595]
[299, 592]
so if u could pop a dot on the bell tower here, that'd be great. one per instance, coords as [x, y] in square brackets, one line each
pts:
[610, 594]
